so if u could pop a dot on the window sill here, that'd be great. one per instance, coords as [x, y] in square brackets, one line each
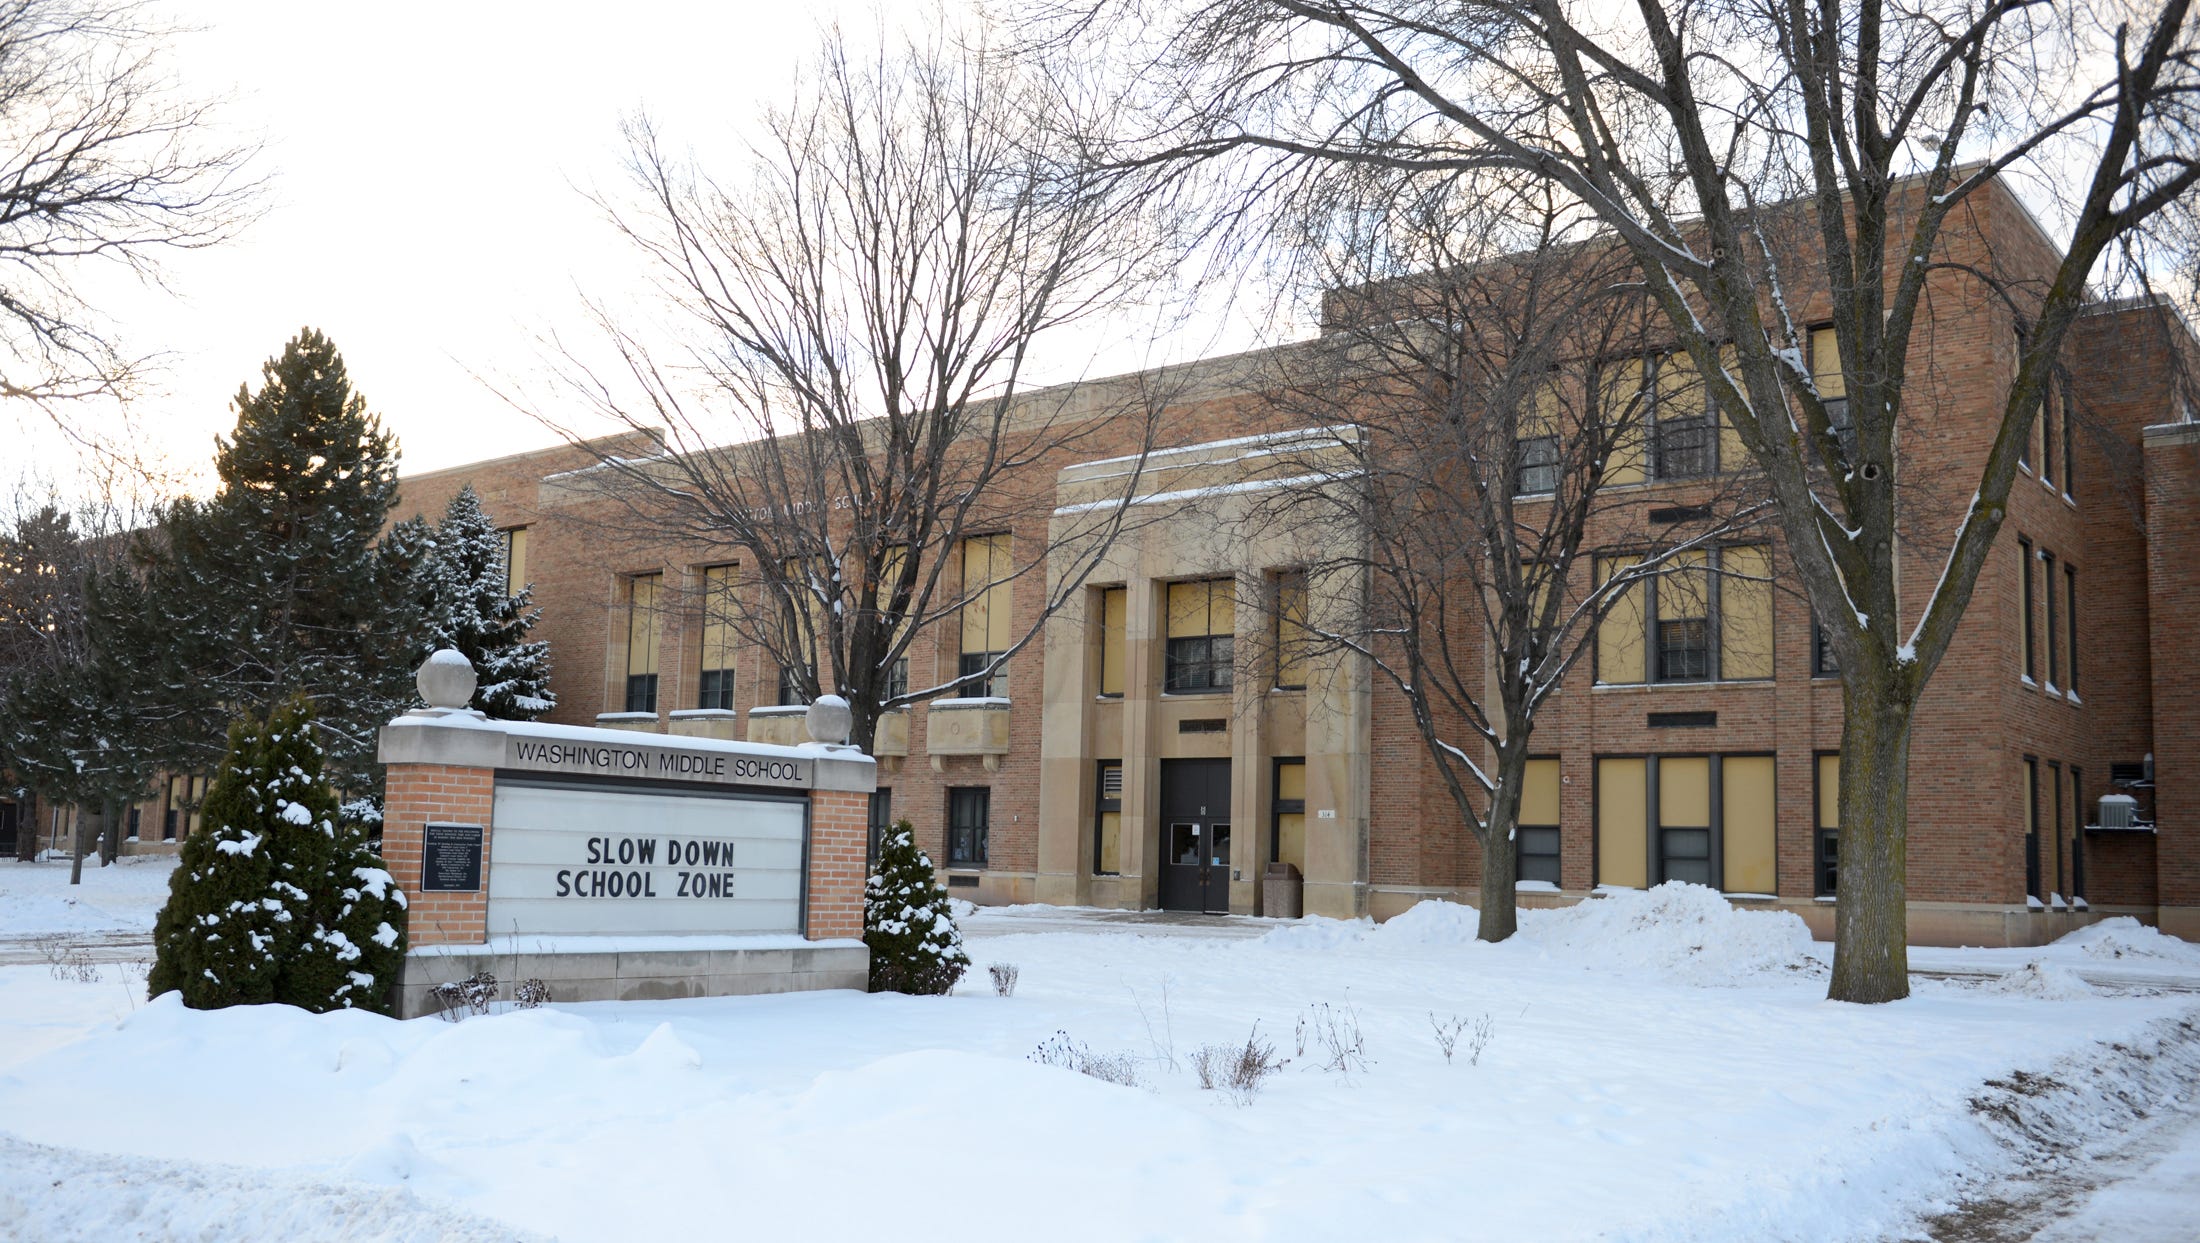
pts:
[2072, 696]
[705, 714]
[1678, 686]
[1207, 694]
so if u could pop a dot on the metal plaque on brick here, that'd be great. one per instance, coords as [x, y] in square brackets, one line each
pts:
[450, 859]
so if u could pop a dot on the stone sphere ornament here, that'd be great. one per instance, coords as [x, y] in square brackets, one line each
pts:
[829, 720]
[446, 680]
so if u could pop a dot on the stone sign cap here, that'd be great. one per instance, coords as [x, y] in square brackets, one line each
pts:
[446, 680]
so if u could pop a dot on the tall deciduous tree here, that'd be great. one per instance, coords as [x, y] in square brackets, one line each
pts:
[1482, 379]
[850, 408]
[1752, 157]
[274, 587]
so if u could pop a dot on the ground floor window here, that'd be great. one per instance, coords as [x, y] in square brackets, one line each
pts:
[1107, 829]
[879, 819]
[969, 812]
[1287, 835]
[1826, 839]
[1536, 845]
[1702, 819]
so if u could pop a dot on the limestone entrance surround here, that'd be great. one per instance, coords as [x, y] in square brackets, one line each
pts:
[764, 924]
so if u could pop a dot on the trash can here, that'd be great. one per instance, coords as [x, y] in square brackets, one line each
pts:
[1283, 892]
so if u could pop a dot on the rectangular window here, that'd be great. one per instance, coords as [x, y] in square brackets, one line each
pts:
[1833, 387]
[2070, 584]
[805, 588]
[1107, 828]
[1683, 436]
[1202, 648]
[1826, 840]
[879, 819]
[985, 616]
[790, 691]
[891, 564]
[2024, 606]
[2049, 440]
[1287, 836]
[1536, 852]
[897, 678]
[1620, 633]
[2069, 450]
[2032, 826]
[1684, 819]
[2077, 832]
[515, 560]
[2054, 650]
[641, 641]
[1623, 820]
[714, 677]
[2055, 798]
[1114, 620]
[969, 811]
[1747, 818]
[1535, 444]
[1617, 398]
[1822, 662]
[1292, 639]
[1745, 612]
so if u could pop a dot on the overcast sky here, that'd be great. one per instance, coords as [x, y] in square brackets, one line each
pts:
[425, 209]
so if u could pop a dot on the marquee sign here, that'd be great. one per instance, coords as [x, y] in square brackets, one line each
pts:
[569, 757]
[578, 861]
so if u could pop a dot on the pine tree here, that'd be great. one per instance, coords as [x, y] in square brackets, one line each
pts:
[274, 586]
[474, 614]
[275, 901]
[907, 922]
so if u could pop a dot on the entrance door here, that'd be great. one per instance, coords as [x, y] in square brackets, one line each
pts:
[1195, 835]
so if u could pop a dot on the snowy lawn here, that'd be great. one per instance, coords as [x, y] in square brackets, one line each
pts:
[1658, 1067]
[36, 899]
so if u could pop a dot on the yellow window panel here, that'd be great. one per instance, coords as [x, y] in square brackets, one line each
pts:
[1617, 397]
[1291, 840]
[1732, 454]
[1222, 606]
[1622, 824]
[1829, 791]
[1291, 781]
[1207, 607]
[1825, 364]
[1684, 587]
[641, 624]
[1114, 615]
[1747, 820]
[1111, 842]
[515, 560]
[1545, 409]
[1684, 792]
[1745, 612]
[1620, 634]
[1680, 387]
[986, 614]
[1291, 636]
[1539, 794]
[718, 606]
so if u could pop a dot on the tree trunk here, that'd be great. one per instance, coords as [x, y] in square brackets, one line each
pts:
[110, 835]
[1871, 958]
[26, 828]
[85, 820]
[1500, 913]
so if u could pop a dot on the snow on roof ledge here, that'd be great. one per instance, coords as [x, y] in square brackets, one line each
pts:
[470, 740]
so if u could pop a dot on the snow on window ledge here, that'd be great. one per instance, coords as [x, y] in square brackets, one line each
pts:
[1534, 886]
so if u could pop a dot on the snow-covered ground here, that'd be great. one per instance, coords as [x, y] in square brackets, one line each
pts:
[36, 899]
[1657, 1067]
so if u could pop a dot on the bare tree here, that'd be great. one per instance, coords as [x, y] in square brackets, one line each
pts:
[100, 159]
[849, 411]
[1757, 159]
[1482, 382]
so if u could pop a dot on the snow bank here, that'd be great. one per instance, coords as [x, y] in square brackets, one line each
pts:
[2044, 981]
[1684, 932]
[2127, 938]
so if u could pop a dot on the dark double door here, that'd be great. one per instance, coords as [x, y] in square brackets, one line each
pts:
[1195, 835]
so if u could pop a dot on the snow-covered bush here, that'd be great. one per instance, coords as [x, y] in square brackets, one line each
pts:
[275, 901]
[906, 922]
[1004, 978]
[1060, 1051]
[1240, 1070]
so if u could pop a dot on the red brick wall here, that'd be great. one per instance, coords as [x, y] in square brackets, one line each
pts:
[2173, 562]
[837, 844]
[419, 793]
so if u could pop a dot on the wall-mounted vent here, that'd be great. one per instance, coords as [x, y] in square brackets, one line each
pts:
[1204, 725]
[2128, 773]
[961, 882]
[1669, 514]
[1683, 720]
[1111, 781]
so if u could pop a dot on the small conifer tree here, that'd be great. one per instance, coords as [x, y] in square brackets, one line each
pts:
[907, 922]
[277, 900]
[473, 613]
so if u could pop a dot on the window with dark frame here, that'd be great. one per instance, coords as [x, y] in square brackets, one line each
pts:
[1201, 653]
[1107, 819]
[2069, 449]
[1291, 638]
[515, 560]
[969, 813]
[1832, 382]
[714, 677]
[1822, 661]
[2054, 649]
[641, 642]
[1826, 837]
[1683, 435]
[790, 686]
[982, 664]
[1700, 619]
[2032, 827]
[897, 678]
[2024, 611]
[2070, 619]
[1536, 846]
[1537, 472]
[2077, 832]
[2055, 796]
[1113, 609]
[878, 819]
[2048, 438]
[1287, 812]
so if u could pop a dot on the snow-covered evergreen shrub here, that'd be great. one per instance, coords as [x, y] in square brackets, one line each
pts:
[469, 611]
[275, 900]
[906, 922]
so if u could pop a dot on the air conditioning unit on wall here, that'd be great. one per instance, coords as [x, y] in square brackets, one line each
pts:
[2119, 811]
